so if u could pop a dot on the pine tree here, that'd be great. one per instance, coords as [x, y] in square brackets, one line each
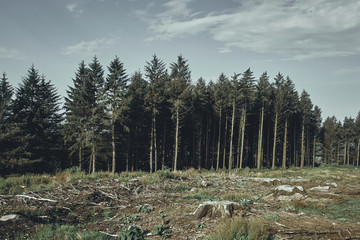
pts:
[37, 112]
[116, 101]
[76, 114]
[179, 92]
[156, 73]
[247, 86]
[94, 94]
[264, 98]
[139, 121]
[220, 105]
[6, 122]
[306, 107]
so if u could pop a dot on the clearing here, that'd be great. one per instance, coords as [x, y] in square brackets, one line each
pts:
[319, 203]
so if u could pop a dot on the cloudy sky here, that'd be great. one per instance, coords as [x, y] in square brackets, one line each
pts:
[315, 42]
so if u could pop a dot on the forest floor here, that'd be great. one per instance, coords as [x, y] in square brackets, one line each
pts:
[321, 203]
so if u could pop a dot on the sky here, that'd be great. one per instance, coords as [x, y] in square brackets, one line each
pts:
[314, 42]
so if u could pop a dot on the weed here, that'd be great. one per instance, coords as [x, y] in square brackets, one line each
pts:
[130, 218]
[161, 230]
[272, 217]
[145, 209]
[131, 233]
[200, 225]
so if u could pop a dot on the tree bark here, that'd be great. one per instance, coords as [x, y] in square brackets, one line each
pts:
[259, 152]
[113, 146]
[152, 142]
[225, 136]
[219, 142]
[285, 144]
[231, 158]
[345, 150]
[358, 153]
[176, 139]
[199, 145]
[155, 146]
[242, 135]
[93, 155]
[275, 137]
[207, 142]
[302, 145]
[80, 157]
[314, 150]
[164, 148]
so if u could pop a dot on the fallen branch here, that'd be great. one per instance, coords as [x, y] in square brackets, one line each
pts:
[108, 234]
[37, 199]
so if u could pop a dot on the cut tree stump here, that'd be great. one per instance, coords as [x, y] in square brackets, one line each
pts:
[215, 209]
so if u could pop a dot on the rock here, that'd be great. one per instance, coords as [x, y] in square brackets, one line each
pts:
[287, 193]
[216, 209]
[8, 217]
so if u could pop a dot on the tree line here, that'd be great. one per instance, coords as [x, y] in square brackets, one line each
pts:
[161, 119]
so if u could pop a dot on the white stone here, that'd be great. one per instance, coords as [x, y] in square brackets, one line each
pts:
[8, 217]
[289, 188]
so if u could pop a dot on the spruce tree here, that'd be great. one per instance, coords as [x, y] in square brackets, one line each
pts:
[116, 101]
[179, 92]
[306, 108]
[36, 108]
[6, 122]
[156, 73]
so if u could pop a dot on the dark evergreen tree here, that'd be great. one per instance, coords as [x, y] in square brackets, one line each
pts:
[116, 102]
[306, 110]
[36, 109]
[179, 92]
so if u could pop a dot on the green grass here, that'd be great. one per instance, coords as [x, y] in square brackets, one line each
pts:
[241, 229]
[345, 211]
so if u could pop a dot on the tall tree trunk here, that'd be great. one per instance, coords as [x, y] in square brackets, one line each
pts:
[176, 139]
[199, 145]
[314, 150]
[164, 148]
[219, 142]
[275, 137]
[238, 145]
[113, 146]
[307, 148]
[302, 145]
[242, 135]
[207, 142]
[80, 157]
[268, 162]
[345, 150]
[225, 136]
[348, 154]
[259, 148]
[231, 158]
[152, 141]
[285, 144]
[358, 153]
[155, 147]
[93, 154]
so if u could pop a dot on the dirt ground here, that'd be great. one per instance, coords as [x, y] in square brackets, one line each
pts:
[109, 205]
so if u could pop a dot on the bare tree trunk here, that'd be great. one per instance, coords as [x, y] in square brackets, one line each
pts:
[80, 157]
[348, 154]
[113, 146]
[164, 148]
[259, 150]
[219, 142]
[93, 155]
[152, 142]
[207, 142]
[238, 145]
[285, 144]
[231, 158]
[199, 145]
[242, 135]
[314, 150]
[358, 153]
[302, 145]
[176, 139]
[225, 136]
[275, 137]
[155, 146]
[345, 150]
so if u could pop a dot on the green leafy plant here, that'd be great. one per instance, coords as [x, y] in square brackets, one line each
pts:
[131, 233]
[161, 230]
[130, 218]
[145, 209]
[200, 225]
[272, 217]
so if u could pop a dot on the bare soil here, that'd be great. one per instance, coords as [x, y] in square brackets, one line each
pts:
[103, 205]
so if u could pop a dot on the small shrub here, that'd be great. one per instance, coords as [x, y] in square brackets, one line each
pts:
[145, 209]
[160, 230]
[131, 233]
[130, 218]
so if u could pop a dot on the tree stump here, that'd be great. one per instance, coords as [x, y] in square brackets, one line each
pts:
[215, 209]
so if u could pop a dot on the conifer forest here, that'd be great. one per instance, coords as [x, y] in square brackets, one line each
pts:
[161, 118]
